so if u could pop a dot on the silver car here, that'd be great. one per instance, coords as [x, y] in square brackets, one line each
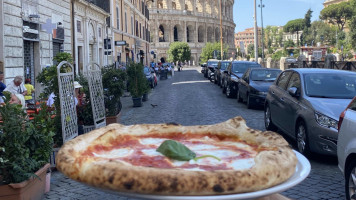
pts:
[346, 148]
[306, 105]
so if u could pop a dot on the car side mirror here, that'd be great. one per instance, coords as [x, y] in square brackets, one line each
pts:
[293, 91]
[226, 72]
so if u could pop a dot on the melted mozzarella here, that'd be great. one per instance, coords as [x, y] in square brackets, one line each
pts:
[220, 153]
[201, 147]
[206, 161]
[116, 153]
[152, 141]
[242, 164]
[151, 152]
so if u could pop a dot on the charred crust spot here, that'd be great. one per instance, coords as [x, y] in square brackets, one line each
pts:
[173, 123]
[218, 188]
[230, 188]
[111, 179]
[160, 187]
[253, 132]
[239, 119]
[128, 185]
[174, 184]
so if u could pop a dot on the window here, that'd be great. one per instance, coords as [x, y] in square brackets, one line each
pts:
[99, 30]
[295, 82]
[132, 25]
[79, 26]
[283, 79]
[125, 23]
[117, 18]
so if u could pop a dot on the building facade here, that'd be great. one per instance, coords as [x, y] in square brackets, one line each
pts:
[193, 21]
[131, 31]
[247, 37]
[32, 32]
[90, 28]
[330, 2]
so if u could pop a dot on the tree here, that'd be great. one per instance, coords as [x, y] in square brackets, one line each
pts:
[320, 32]
[307, 18]
[207, 51]
[294, 26]
[179, 51]
[352, 24]
[337, 14]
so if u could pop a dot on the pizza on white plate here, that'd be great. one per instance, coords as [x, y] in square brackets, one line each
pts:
[170, 159]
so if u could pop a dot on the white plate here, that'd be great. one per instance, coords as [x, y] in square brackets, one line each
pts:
[301, 172]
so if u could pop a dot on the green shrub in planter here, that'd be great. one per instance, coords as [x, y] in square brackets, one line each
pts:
[85, 113]
[25, 145]
[138, 84]
[114, 81]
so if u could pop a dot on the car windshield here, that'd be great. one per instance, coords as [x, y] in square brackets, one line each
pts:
[242, 67]
[224, 65]
[264, 75]
[212, 63]
[331, 85]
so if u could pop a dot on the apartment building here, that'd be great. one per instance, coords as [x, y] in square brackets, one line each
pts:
[131, 31]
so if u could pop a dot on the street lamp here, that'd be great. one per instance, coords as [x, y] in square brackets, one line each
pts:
[262, 39]
[256, 32]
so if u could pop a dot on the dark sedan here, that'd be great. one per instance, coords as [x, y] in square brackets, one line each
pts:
[254, 84]
[222, 66]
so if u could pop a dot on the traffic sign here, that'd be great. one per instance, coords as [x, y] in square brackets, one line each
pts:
[120, 43]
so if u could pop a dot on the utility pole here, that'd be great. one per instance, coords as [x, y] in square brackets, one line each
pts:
[221, 36]
[262, 38]
[256, 32]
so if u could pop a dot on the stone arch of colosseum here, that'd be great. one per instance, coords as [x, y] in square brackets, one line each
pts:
[193, 21]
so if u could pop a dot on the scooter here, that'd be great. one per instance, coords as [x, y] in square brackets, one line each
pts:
[211, 74]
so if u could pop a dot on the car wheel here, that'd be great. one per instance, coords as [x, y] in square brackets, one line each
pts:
[268, 120]
[350, 180]
[248, 102]
[224, 88]
[239, 99]
[302, 138]
[228, 91]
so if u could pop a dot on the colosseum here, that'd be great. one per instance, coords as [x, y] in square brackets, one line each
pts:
[193, 21]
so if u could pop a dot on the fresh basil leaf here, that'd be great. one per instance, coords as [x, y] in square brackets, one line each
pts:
[175, 150]
[206, 156]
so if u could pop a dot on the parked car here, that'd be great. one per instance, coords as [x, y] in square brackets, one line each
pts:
[346, 147]
[152, 81]
[306, 105]
[222, 66]
[210, 63]
[254, 84]
[203, 66]
[233, 73]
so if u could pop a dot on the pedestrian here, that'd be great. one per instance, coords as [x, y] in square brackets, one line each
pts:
[16, 86]
[30, 90]
[2, 86]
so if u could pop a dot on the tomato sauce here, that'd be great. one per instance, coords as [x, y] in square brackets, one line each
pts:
[138, 158]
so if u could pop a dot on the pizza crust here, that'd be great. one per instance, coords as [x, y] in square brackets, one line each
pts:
[271, 167]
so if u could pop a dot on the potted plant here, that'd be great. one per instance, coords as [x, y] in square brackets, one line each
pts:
[25, 147]
[49, 79]
[138, 84]
[84, 111]
[113, 84]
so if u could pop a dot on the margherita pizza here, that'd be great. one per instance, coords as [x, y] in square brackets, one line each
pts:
[170, 159]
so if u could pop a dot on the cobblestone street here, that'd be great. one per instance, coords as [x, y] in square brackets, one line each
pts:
[189, 99]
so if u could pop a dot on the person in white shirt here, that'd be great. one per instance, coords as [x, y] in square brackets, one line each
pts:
[16, 86]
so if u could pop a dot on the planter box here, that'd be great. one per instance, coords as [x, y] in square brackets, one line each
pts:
[33, 189]
[89, 128]
[137, 102]
[113, 119]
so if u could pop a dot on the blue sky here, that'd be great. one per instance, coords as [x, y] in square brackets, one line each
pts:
[275, 12]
